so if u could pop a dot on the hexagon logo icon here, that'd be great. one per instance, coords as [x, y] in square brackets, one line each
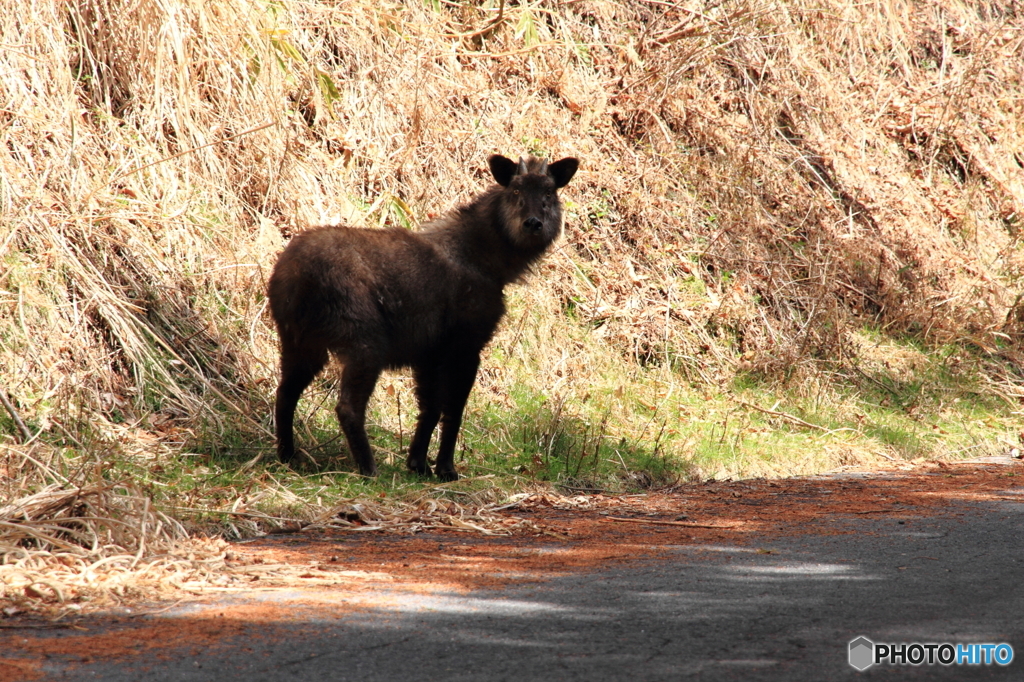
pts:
[862, 653]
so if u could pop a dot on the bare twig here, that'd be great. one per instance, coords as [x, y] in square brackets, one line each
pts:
[143, 167]
[500, 55]
[684, 524]
[493, 24]
[14, 415]
[783, 415]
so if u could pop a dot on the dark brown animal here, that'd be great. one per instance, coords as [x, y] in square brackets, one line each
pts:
[428, 300]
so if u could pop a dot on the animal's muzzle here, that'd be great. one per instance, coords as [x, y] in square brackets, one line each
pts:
[533, 224]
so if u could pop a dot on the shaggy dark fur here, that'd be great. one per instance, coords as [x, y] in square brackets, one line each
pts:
[428, 300]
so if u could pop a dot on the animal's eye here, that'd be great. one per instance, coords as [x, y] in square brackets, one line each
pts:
[515, 191]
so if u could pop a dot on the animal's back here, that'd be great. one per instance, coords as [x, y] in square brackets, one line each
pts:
[386, 295]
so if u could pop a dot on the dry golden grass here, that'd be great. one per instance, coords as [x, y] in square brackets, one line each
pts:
[84, 543]
[760, 180]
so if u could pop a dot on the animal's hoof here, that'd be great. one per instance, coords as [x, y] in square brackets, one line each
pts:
[447, 476]
[417, 468]
[369, 472]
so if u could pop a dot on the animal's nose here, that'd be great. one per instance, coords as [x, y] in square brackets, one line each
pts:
[533, 224]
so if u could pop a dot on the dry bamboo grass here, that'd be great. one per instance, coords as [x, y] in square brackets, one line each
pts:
[761, 178]
[57, 577]
[79, 542]
[91, 542]
[69, 548]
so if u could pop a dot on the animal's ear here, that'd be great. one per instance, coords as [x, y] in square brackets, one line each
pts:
[503, 169]
[563, 170]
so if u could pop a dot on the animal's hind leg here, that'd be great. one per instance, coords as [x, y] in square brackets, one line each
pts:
[430, 412]
[458, 381]
[357, 382]
[298, 368]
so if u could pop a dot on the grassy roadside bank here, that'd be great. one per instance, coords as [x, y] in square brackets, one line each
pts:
[793, 246]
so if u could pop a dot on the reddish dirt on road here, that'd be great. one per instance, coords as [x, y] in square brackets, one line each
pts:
[605, 529]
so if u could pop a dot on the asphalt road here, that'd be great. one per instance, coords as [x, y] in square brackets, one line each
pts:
[784, 610]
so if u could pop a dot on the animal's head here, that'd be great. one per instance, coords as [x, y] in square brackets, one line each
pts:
[529, 200]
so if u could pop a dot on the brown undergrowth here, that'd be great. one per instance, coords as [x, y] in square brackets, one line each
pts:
[759, 180]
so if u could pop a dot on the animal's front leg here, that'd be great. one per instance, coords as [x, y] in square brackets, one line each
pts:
[458, 381]
[428, 397]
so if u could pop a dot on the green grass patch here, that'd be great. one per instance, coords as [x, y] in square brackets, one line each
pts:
[625, 429]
